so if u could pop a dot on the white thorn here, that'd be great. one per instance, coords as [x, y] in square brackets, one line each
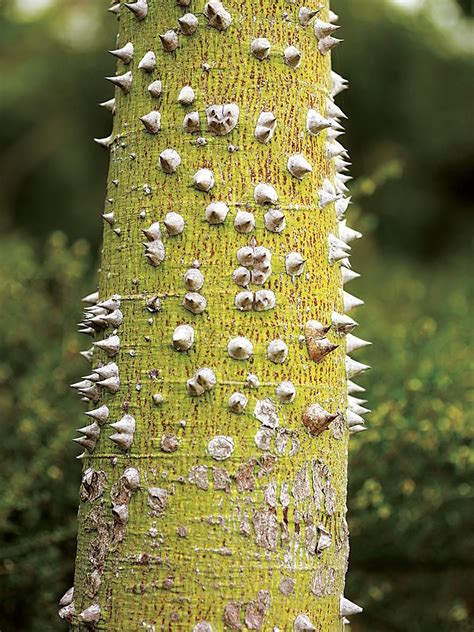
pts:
[110, 345]
[353, 419]
[348, 234]
[91, 299]
[316, 123]
[277, 351]
[292, 57]
[353, 367]
[298, 166]
[352, 387]
[125, 425]
[294, 264]
[101, 414]
[260, 48]
[348, 608]
[351, 302]
[186, 96]
[265, 127]
[84, 442]
[244, 222]
[203, 180]
[112, 384]
[124, 82]
[217, 16]
[335, 149]
[305, 15]
[108, 105]
[265, 194]
[192, 122]
[275, 220]
[356, 429]
[333, 111]
[341, 207]
[194, 302]
[353, 343]
[152, 122]
[188, 23]
[148, 62]
[169, 41]
[240, 348]
[222, 119]
[125, 53]
[155, 89]
[104, 142]
[67, 598]
[138, 8]
[115, 9]
[342, 324]
[324, 29]
[328, 43]
[216, 212]
[87, 355]
[303, 624]
[92, 431]
[174, 224]
[183, 337]
[170, 161]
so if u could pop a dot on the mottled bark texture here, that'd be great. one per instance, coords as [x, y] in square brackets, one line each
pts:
[220, 501]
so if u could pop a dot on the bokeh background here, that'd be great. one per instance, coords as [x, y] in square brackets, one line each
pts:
[410, 63]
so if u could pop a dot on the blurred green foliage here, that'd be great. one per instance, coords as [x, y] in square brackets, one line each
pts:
[411, 141]
[411, 101]
[39, 475]
[411, 493]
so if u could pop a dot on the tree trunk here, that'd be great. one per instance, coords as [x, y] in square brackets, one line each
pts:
[214, 489]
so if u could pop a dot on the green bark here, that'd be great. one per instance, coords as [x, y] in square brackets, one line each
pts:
[224, 532]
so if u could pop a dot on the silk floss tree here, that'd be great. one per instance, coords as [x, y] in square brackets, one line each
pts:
[213, 494]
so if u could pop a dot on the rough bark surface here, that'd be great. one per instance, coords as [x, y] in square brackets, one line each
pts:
[238, 518]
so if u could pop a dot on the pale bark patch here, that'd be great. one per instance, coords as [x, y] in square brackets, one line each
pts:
[157, 499]
[221, 479]
[221, 447]
[92, 485]
[267, 463]
[232, 615]
[267, 413]
[287, 586]
[169, 443]
[92, 583]
[322, 582]
[203, 626]
[323, 489]
[256, 610]
[271, 494]
[244, 477]
[265, 526]
[301, 484]
[263, 438]
[285, 497]
[198, 476]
